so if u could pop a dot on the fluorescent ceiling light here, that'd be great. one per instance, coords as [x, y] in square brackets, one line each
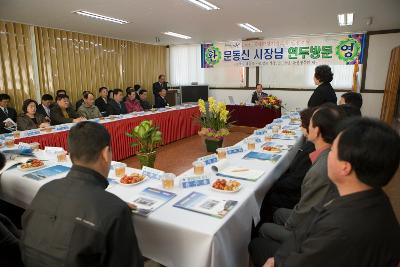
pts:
[204, 4]
[249, 27]
[97, 16]
[177, 35]
[345, 19]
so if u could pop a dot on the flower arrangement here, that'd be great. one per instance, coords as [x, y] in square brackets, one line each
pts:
[213, 119]
[270, 102]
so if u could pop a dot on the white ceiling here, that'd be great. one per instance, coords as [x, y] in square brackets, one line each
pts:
[149, 18]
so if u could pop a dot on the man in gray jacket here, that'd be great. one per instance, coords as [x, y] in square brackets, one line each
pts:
[73, 221]
[316, 185]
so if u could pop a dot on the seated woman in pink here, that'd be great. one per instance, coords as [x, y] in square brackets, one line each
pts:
[131, 104]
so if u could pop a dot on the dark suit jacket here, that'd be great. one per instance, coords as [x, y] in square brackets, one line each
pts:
[322, 94]
[26, 123]
[160, 102]
[116, 109]
[104, 107]
[57, 116]
[145, 105]
[254, 96]
[78, 104]
[157, 87]
[12, 114]
[42, 111]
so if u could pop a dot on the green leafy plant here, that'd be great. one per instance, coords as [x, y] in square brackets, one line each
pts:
[147, 136]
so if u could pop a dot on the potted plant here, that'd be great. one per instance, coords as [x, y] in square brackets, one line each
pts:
[148, 138]
[271, 102]
[214, 123]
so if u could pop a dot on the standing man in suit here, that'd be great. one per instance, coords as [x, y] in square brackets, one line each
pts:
[6, 113]
[157, 86]
[160, 101]
[258, 94]
[117, 107]
[45, 107]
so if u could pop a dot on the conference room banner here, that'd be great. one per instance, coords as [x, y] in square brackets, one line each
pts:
[343, 49]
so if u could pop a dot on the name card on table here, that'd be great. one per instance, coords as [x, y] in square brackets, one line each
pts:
[193, 181]
[258, 140]
[277, 121]
[32, 132]
[260, 132]
[61, 127]
[234, 150]
[285, 117]
[210, 159]
[152, 173]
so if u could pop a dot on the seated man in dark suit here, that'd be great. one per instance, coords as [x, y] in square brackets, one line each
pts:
[142, 95]
[357, 228]
[63, 113]
[6, 113]
[157, 86]
[45, 107]
[102, 102]
[80, 101]
[160, 101]
[258, 95]
[117, 107]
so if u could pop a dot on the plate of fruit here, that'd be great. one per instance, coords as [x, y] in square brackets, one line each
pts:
[132, 179]
[30, 165]
[226, 186]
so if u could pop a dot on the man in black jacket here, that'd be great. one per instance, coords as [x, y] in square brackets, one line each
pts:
[160, 100]
[6, 113]
[324, 92]
[142, 93]
[117, 107]
[161, 84]
[73, 221]
[359, 227]
[258, 94]
[102, 102]
[45, 106]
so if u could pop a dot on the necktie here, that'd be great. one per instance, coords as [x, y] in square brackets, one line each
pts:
[6, 111]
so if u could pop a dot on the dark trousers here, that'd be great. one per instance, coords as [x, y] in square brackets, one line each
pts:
[261, 249]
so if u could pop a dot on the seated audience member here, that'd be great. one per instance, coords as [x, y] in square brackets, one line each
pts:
[350, 110]
[359, 227]
[127, 90]
[73, 221]
[102, 102]
[88, 110]
[80, 101]
[351, 98]
[45, 106]
[62, 112]
[258, 95]
[6, 113]
[61, 92]
[316, 185]
[324, 93]
[110, 94]
[143, 99]
[10, 255]
[137, 87]
[30, 118]
[131, 103]
[286, 191]
[160, 101]
[117, 107]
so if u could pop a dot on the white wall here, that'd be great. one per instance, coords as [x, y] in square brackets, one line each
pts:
[293, 99]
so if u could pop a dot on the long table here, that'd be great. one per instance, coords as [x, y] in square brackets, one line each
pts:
[177, 237]
[175, 124]
[252, 116]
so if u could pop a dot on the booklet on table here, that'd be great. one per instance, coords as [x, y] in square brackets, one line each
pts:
[150, 199]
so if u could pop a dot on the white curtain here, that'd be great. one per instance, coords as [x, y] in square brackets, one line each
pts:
[185, 65]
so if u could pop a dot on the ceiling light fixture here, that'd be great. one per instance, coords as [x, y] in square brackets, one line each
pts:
[249, 27]
[98, 16]
[177, 35]
[345, 19]
[204, 4]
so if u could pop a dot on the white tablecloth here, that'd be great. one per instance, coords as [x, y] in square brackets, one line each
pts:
[177, 237]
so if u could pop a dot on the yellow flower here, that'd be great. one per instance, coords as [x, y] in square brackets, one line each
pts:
[221, 106]
[202, 106]
[212, 106]
[224, 115]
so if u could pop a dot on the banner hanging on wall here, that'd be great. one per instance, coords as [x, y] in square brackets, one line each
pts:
[343, 49]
